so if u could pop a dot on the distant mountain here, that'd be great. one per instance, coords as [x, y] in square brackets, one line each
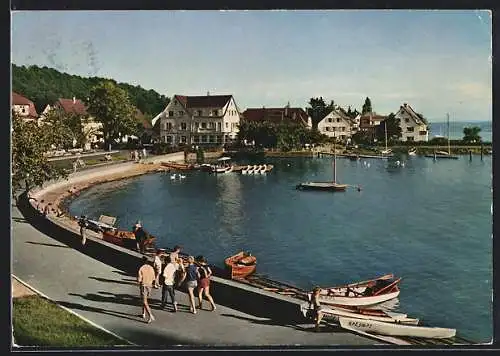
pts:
[45, 85]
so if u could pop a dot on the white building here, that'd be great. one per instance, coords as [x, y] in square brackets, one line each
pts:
[413, 125]
[199, 120]
[336, 124]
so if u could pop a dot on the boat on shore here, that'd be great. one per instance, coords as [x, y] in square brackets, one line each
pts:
[124, 238]
[179, 166]
[395, 329]
[241, 265]
[370, 292]
[412, 151]
[378, 315]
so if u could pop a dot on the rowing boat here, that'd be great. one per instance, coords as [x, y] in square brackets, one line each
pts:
[124, 238]
[378, 315]
[241, 264]
[395, 329]
[370, 292]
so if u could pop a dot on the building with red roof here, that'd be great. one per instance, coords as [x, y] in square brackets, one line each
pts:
[23, 107]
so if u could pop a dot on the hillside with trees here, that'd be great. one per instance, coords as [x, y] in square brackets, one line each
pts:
[45, 85]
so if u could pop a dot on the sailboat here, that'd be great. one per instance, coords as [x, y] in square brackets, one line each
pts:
[387, 151]
[326, 186]
[444, 154]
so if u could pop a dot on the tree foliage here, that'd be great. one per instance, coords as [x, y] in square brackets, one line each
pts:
[318, 109]
[367, 106]
[285, 136]
[471, 134]
[393, 129]
[29, 165]
[45, 85]
[110, 105]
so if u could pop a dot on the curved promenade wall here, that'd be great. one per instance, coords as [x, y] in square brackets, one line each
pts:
[236, 295]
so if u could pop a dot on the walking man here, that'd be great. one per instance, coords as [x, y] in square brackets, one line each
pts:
[169, 273]
[145, 278]
[157, 268]
[83, 224]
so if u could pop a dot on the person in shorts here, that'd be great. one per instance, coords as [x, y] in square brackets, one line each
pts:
[192, 276]
[204, 283]
[146, 278]
[157, 267]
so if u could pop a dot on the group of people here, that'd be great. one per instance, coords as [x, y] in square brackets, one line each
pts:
[136, 155]
[171, 272]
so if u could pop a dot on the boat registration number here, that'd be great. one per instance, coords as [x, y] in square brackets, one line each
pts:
[359, 324]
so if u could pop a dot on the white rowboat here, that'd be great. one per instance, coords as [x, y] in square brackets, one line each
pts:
[394, 329]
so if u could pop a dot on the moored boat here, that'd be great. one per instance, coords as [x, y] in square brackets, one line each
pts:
[395, 329]
[124, 238]
[241, 264]
[326, 186]
[246, 169]
[378, 315]
[412, 151]
[370, 292]
[178, 166]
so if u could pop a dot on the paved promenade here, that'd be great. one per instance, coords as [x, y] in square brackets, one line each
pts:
[109, 298]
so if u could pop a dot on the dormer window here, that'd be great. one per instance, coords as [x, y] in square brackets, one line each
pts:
[170, 113]
[215, 112]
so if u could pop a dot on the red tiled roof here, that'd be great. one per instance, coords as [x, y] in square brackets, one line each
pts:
[276, 115]
[18, 99]
[76, 107]
[207, 101]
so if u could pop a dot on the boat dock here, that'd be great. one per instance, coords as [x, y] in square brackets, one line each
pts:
[347, 155]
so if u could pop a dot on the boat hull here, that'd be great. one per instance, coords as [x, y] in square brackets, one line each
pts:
[241, 265]
[123, 238]
[322, 186]
[394, 329]
[358, 301]
[437, 156]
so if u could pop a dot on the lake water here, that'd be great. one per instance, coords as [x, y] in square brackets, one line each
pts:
[427, 222]
[457, 129]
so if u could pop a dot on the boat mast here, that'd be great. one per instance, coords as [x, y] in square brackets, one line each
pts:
[448, 125]
[334, 158]
[385, 127]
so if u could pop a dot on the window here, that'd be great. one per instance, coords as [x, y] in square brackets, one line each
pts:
[200, 113]
[407, 120]
[211, 138]
[183, 139]
[203, 125]
[343, 128]
[338, 119]
[183, 126]
[196, 125]
[334, 129]
[211, 125]
[422, 133]
[227, 125]
[330, 119]
[196, 139]
[410, 129]
[204, 138]
[170, 113]
[215, 112]
[410, 138]
[326, 128]
[219, 125]
[169, 139]
[167, 126]
[181, 113]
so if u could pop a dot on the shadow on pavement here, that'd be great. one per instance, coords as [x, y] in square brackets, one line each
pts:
[133, 317]
[268, 322]
[128, 282]
[20, 220]
[44, 244]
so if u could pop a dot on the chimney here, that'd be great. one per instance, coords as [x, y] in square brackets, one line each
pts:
[404, 104]
[74, 100]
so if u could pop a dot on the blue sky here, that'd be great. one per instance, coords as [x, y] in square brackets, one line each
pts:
[437, 61]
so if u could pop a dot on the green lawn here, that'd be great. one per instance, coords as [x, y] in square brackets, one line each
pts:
[39, 322]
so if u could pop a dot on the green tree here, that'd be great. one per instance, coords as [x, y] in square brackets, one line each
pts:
[110, 105]
[367, 106]
[471, 134]
[318, 109]
[30, 167]
[393, 129]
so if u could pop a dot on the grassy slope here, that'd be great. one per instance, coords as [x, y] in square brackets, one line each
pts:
[39, 322]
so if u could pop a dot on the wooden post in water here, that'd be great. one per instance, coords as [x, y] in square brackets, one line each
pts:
[334, 158]
[481, 152]
[470, 155]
